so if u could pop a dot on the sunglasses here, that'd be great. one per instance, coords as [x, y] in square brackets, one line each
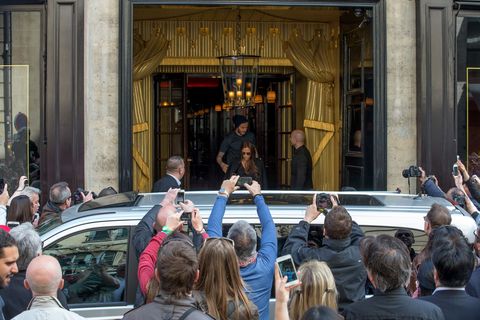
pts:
[246, 153]
[221, 239]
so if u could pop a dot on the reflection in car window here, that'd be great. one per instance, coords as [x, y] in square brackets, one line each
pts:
[126, 199]
[93, 265]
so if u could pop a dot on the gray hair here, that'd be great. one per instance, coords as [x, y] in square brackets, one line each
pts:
[28, 242]
[59, 193]
[388, 259]
[245, 238]
[174, 162]
[30, 191]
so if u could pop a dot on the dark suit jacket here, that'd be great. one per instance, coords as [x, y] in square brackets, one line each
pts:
[392, 305]
[165, 183]
[473, 285]
[301, 178]
[455, 304]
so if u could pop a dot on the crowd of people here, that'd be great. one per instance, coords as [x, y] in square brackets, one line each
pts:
[227, 272]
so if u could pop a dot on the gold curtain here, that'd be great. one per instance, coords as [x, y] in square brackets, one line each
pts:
[148, 55]
[316, 60]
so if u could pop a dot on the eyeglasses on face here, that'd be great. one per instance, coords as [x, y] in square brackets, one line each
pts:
[222, 239]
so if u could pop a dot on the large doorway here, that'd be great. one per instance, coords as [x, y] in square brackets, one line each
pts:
[305, 53]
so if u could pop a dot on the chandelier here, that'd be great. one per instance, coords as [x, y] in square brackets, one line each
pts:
[239, 73]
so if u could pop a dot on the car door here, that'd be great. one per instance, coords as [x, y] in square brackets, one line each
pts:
[98, 267]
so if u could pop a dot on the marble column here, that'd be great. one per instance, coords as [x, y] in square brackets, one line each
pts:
[401, 92]
[101, 94]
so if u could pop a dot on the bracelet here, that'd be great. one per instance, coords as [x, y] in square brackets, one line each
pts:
[223, 192]
[167, 230]
[201, 231]
[258, 194]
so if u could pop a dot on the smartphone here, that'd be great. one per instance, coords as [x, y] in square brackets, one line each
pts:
[323, 201]
[12, 224]
[242, 180]
[455, 170]
[180, 196]
[287, 269]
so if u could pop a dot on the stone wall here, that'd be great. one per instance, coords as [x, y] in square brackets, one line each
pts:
[401, 92]
[101, 94]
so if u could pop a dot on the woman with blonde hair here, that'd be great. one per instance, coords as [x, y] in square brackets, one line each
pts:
[220, 289]
[318, 288]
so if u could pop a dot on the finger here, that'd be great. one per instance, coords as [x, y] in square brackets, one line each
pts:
[235, 178]
[5, 188]
[314, 200]
[277, 273]
[236, 188]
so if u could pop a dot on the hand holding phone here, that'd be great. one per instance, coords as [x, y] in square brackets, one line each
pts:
[180, 196]
[287, 269]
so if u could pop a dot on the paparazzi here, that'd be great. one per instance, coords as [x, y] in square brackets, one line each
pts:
[469, 205]
[472, 182]
[340, 249]
[60, 198]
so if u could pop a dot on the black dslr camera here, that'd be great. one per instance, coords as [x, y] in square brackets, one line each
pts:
[77, 195]
[411, 172]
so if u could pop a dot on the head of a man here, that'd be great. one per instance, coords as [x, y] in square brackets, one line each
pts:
[297, 138]
[387, 261]
[245, 239]
[34, 195]
[452, 257]
[28, 242]
[177, 267]
[437, 216]
[338, 224]
[8, 258]
[176, 167]
[60, 195]
[241, 124]
[44, 276]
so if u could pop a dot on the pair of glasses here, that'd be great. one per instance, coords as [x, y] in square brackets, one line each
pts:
[246, 153]
[221, 239]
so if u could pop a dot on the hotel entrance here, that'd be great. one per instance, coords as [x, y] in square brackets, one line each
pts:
[315, 73]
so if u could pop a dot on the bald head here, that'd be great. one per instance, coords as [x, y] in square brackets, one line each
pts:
[297, 138]
[44, 276]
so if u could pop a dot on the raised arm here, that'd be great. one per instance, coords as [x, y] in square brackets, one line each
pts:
[218, 210]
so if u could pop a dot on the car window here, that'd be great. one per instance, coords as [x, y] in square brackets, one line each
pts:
[93, 265]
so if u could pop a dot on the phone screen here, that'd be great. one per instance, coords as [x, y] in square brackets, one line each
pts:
[242, 180]
[180, 196]
[455, 170]
[287, 269]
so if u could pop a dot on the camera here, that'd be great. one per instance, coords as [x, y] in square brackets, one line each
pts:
[412, 172]
[77, 195]
[324, 202]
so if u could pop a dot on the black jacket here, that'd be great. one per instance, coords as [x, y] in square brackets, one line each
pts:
[301, 178]
[237, 169]
[17, 297]
[455, 304]
[473, 285]
[342, 256]
[165, 183]
[392, 305]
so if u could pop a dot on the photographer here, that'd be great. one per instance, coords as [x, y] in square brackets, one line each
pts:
[340, 249]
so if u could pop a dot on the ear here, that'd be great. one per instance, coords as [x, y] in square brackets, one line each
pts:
[435, 278]
[197, 276]
[372, 279]
[60, 285]
[26, 285]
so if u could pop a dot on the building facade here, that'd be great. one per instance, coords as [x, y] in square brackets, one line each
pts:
[411, 104]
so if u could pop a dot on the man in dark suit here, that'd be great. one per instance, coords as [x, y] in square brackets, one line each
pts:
[454, 261]
[175, 171]
[387, 261]
[301, 178]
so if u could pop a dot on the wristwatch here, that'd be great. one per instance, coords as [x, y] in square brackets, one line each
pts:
[223, 192]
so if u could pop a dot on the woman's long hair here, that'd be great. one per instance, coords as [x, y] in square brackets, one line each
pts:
[220, 280]
[318, 288]
[20, 209]
[250, 166]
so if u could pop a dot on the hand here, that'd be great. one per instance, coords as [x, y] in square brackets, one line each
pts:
[4, 196]
[312, 211]
[423, 177]
[469, 206]
[21, 183]
[434, 179]
[463, 170]
[170, 197]
[88, 197]
[187, 206]
[282, 293]
[197, 222]
[229, 184]
[224, 167]
[333, 198]
[173, 220]
[459, 182]
[253, 188]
